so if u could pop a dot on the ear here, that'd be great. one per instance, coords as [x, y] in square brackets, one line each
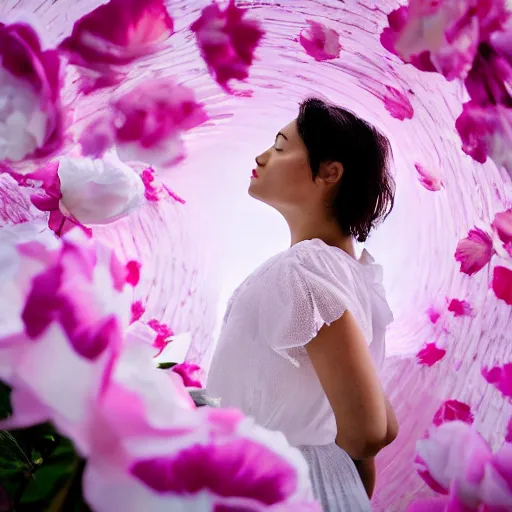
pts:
[330, 172]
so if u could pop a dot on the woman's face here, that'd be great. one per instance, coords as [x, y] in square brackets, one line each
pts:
[282, 177]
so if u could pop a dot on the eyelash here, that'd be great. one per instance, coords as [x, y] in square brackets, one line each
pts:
[277, 149]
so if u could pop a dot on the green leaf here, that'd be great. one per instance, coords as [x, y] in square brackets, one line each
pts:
[166, 366]
[5, 401]
[13, 459]
[51, 474]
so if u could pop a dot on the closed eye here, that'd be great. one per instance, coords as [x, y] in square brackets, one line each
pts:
[278, 149]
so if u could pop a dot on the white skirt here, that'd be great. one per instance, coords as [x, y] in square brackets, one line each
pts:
[336, 482]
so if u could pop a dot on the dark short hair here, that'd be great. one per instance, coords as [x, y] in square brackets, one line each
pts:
[366, 191]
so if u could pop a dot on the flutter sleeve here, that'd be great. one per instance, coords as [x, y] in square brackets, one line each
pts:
[311, 288]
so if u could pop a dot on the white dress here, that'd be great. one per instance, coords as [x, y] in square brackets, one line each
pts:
[261, 365]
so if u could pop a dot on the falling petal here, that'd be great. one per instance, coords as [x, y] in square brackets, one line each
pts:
[430, 354]
[474, 251]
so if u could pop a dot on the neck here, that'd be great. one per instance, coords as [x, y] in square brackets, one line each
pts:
[307, 226]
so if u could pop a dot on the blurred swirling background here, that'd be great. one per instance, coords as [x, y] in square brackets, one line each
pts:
[194, 255]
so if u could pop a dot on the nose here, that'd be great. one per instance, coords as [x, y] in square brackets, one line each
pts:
[261, 159]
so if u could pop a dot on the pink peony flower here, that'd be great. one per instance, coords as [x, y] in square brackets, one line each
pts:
[460, 307]
[474, 251]
[444, 35]
[487, 82]
[459, 462]
[226, 463]
[30, 83]
[69, 327]
[453, 410]
[502, 284]
[188, 371]
[500, 377]
[100, 47]
[454, 452]
[430, 179]
[98, 191]
[486, 132]
[227, 42]
[146, 124]
[319, 41]
[430, 354]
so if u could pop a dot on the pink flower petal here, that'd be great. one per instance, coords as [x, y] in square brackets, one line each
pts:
[500, 377]
[397, 104]
[502, 284]
[98, 46]
[320, 42]
[154, 189]
[223, 469]
[474, 251]
[431, 180]
[460, 307]
[430, 354]
[508, 435]
[453, 410]
[433, 314]
[187, 372]
[133, 270]
[138, 310]
[164, 333]
[502, 224]
[227, 42]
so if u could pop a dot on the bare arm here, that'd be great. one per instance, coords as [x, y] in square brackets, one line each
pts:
[368, 473]
[343, 363]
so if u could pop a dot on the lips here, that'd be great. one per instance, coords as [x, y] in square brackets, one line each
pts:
[254, 173]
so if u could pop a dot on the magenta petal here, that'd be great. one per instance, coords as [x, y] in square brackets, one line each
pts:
[502, 224]
[433, 314]
[500, 377]
[43, 302]
[187, 372]
[508, 435]
[430, 354]
[453, 410]
[474, 251]
[502, 284]
[137, 310]
[241, 468]
[227, 42]
[460, 307]
[320, 42]
[133, 272]
[429, 179]
[91, 342]
[397, 104]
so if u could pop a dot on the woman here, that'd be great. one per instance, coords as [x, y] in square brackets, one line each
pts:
[303, 336]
